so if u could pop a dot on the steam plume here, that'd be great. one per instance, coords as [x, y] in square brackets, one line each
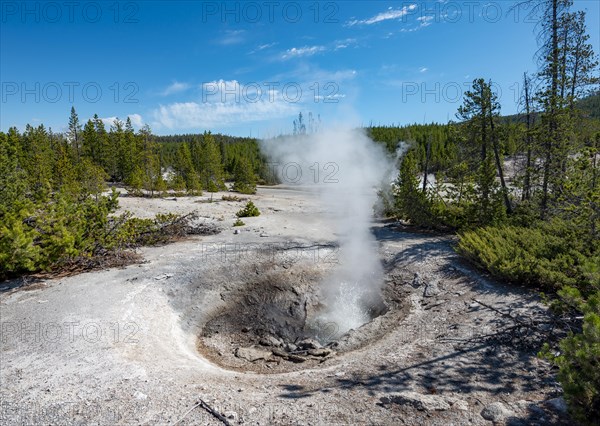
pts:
[351, 168]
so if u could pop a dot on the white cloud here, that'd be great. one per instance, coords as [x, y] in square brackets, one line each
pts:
[229, 102]
[189, 115]
[231, 37]
[425, 20]
[330, 98]
[343, 44]
[232, 91]
[423, 69]
[384, 16]
[175, 87]
[266, 46]
[136, 120]
[296, 52]
[261, 47]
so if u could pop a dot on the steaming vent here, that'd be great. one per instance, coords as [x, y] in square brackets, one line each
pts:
[295, 317]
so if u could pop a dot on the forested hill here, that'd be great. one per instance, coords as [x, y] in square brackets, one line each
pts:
[588, 107]
[189, 137]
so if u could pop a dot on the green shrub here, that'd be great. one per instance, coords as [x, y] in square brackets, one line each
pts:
[232, 198]
[530, 256]
[250, 210]
[578, 359]
[63, 230]
[238, 222]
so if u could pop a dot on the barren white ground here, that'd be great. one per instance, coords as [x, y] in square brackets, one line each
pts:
[119, 346]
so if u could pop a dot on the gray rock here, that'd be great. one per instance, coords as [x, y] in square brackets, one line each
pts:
[279, 352]
[290, 347]
[237, 231]
[232, 415]
[418, 280]
[140, 395]
[296, 358]
[496, 412]
[419, 401]
[558, 404]
[163, 277]
[269, 340]
[264, 234]
[457, 404]
[320, 352]
[309, 344]
[252, 353]
[431, 289]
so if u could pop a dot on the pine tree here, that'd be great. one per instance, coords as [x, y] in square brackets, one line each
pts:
[211, 170]
[244, 177]
[115, 161]
[488, 208]
[74, 132]
[410, 202]
[184, 170]
[129, 153]
[91, 144]
[480, 111]
[553, 119]
[13, 183]
[106, 155]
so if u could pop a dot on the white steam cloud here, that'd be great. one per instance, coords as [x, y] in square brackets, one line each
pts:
[351, 169]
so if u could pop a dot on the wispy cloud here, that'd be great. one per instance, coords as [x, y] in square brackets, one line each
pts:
[231, 37]
[175, 87]
[136, 120]
[425, 20]
[225, 103]
[391, 13]
[296, 52]
[343, 44]
[423, 69]
[266, 46]
[203, 115]
[299, 52]
[261, 47]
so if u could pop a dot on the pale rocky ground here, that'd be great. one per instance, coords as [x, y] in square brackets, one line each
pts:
[120, 346]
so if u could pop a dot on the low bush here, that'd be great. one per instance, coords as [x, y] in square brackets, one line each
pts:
[578, 359]
[250, 210]
[531, 256]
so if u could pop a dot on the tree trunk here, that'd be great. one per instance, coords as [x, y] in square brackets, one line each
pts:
[575, 69]
[528, 141]
[499, 166]
[426, 168]
[552, 119]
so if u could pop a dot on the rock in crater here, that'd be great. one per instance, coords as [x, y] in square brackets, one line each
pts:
[252, 353]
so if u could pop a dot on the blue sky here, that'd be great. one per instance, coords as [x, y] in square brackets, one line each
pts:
[248, 68]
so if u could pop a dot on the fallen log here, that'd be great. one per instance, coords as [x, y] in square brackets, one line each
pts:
[208, 408]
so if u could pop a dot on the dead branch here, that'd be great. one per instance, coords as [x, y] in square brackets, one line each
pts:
[208, 408]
